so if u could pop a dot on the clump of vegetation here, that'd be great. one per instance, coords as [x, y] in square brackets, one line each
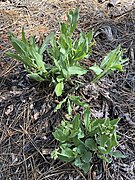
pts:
[79, 140]
[113, 61]
[30, 55]
[65, 54]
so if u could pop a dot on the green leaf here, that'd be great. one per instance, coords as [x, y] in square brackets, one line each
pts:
[78, 162]
[23, 37]
[97, 122]
[86, 167]
[76, 70]
[97, 70]
[63, 42]
[76, 122]
[36, 77]
[63, 28]
[60, 104]
[87, 119]
[102, 139]
[77, 101]
[18, 45]
[54, 154]
[106, 159]
[60, 134]
[117, 154]
[90, 36]
[113, 142]
[15, 56]
[79, 56]
[60, 78]
[117, 67]
[46, 42]
[59, 88]
[114, 122]
[86, 157]
[67, 155]
[69, 107]
[112, 61]
[91, 144]
[39, 61]
[102, 149]
[77, 142]
[73, 17]
[81, 149]
[110, 58]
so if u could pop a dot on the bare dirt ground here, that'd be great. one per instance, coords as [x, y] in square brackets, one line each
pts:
[26, 107]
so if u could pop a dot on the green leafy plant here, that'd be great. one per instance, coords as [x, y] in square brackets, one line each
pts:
[113, 61]
[70, 100]
[80, 140]
[65, 53]
[30, 55]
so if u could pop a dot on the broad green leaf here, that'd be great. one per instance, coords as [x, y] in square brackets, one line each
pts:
[103, 139]
[78, 162]
[63, 28]
[63, 51]
[73, 17]
[60, 135]
[110, 58]
[60, 78]
[76, 70]
[91, 144]
[63, 43]
[112, 61]
[67, 155]
[81, 149]
[97, 122]
[39, 61]
[112, 142]
[117, 154]
[18, 45]
[59, 88]
[114, 122]
[97, 70]
[46, 42]
[107, 122]
[80, 134]
[76, 122]
[117, 67]
[57, 133]
[77, 142]
[102, 149]
[86, 157]
[86, 167]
